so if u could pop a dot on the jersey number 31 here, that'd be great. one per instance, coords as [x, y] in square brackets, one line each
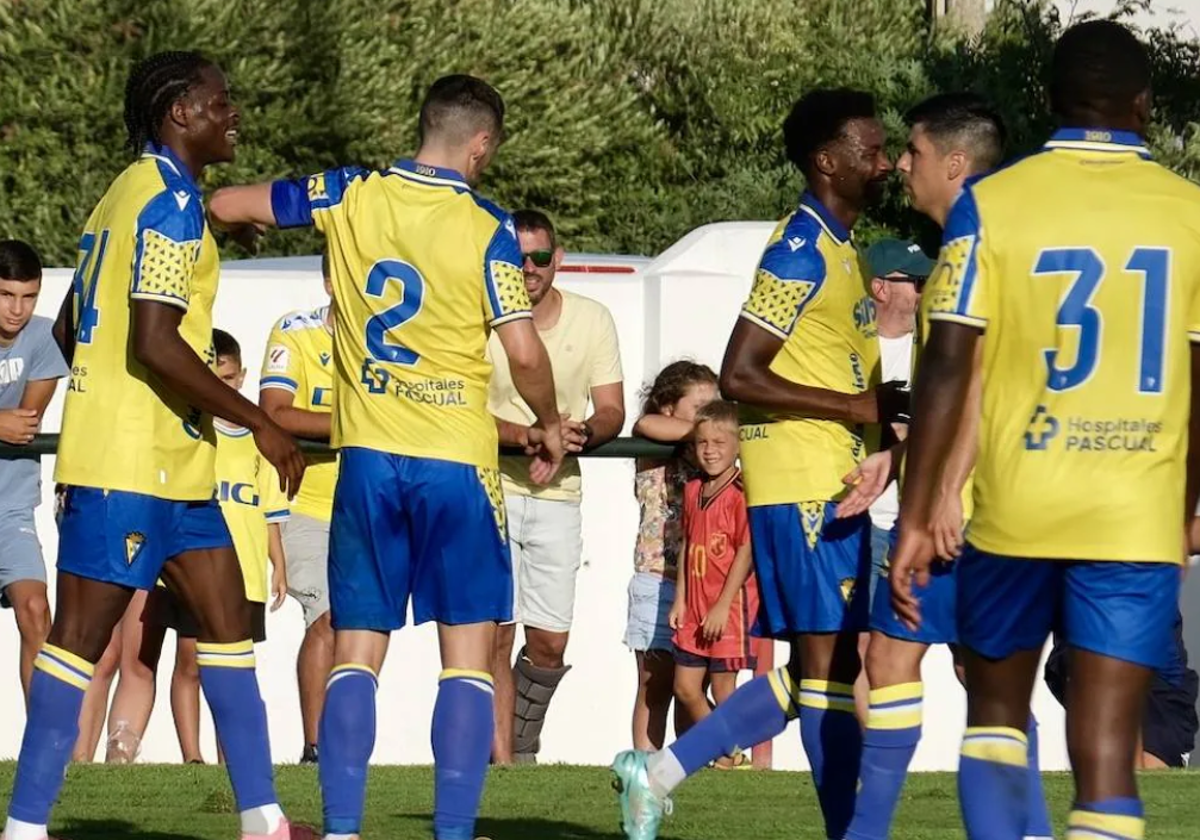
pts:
[1077, 313]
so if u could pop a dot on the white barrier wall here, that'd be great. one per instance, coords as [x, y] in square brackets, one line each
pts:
[681, 304]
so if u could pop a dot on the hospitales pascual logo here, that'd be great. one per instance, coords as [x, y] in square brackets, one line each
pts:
[1043, 427]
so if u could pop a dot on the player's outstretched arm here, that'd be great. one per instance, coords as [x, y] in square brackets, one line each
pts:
[310, 425]
[943, 379]
[746, 377]
[529, 365]
[158, 345]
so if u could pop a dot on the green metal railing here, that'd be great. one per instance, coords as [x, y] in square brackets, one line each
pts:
[619, 448]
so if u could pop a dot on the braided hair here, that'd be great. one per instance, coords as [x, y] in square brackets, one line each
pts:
[156, 84]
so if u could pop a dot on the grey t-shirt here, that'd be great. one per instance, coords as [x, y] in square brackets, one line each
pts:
[32, 356]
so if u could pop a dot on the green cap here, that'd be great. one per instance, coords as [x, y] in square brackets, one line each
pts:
[898, 256]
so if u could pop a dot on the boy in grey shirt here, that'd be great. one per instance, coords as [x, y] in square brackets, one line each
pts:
[30, 366]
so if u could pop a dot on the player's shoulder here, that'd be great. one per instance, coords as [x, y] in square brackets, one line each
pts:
[491, 215]
[330, 188]
[794, 250]
[172, 203]
[301, 320]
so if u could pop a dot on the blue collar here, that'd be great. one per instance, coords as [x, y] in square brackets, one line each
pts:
[434, 175]
[163, 153]
[1099, 140]
[833, 227]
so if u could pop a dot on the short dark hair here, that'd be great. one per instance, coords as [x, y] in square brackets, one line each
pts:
[535, 220]
[458, 107]
[718, 411]
[155, 84]
[1099, 67]
[963, 119]
[820, 117]
[19, 261]
[225, 346]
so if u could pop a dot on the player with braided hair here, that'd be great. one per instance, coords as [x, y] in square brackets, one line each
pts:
[136, 327]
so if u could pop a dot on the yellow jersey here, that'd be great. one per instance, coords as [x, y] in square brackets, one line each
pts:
[248, 492]
[811, 293]
[1081, 265]
[147, 239]
[422, 268]
[299, 360]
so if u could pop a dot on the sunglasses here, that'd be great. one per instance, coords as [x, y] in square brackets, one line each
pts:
[919, 282]
[541, 257]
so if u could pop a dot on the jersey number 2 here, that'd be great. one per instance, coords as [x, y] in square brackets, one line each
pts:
[412, 294]
[92, 249]
[1077, 313]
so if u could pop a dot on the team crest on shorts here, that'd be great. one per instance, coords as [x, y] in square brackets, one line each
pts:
[135, 541]
[718, 544]
[812, 519]
[847, 586]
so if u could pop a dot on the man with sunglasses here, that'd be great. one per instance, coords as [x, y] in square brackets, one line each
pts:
[544, 524]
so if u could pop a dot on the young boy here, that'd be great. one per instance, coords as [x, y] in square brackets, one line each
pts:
[716, 599]
[253, 507]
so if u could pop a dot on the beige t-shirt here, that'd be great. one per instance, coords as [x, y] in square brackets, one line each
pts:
[583, 355]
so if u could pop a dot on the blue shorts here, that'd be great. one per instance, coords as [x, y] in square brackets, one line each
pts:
[127, 538]
[417, 528]
[938, 619]
[880, 546]
[813, 570]
[1121, 610]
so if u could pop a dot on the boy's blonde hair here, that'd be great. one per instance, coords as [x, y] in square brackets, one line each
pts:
[718, 411]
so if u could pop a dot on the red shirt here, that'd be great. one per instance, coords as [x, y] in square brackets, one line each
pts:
[715, 528]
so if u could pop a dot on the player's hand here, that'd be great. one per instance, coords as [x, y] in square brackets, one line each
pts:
[18, 425]
[574, 440]
[909, 566]
[546, 449]
[278, 447]
[892, 402]
[714, 623]
[675, 616]
[278, 585]
[947, 526]
[867, 482]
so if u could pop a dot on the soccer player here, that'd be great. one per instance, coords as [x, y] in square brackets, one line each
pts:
[803, 362]
[296, 390]
[1078, 269]
[30, 367]
[137, 446]
[422, 268]
[952, 137]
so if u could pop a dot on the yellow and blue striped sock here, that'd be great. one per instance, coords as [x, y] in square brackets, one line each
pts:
[893, 731]
[993, 782]
[833, 742]
[463, 721]
[60, 679]
[1109, 819]
[230, 684]
[347, 739]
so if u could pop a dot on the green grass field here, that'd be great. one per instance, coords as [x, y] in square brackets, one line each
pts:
[151, 802]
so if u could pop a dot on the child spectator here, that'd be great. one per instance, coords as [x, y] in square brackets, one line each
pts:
[715, 597]
[668, 410]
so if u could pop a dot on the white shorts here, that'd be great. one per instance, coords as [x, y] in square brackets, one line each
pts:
[546, 538]
[306, 547]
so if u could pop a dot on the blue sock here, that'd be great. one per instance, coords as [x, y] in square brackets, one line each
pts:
[993, 783]
[230, 686]
[893, 731]
[1038, 824]
[347, 739]
[60, 679]
[1112, 819]
[463, 721]
[833, 742]
[756, 712]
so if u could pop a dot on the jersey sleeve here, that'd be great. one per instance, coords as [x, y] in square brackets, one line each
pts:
[788, 278]
[606, 353]
[306, 202]
[170, 230]
[505, 298]
[272, 501]
[45, 360]
[957, 289]
[282, 366]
